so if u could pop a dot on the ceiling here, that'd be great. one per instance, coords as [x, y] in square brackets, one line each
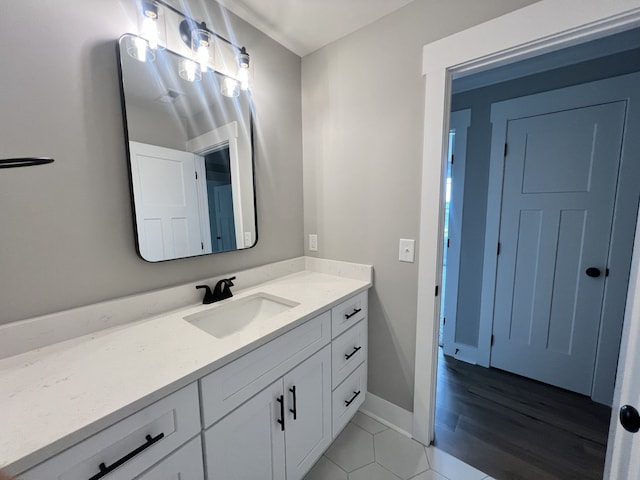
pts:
[304, 26]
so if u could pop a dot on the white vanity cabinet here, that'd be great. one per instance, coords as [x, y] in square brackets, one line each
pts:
[280, 432]
[349, 328]
[131, 446]
[269, 414]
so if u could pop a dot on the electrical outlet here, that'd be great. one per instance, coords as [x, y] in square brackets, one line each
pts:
[247, 239]
[313, 242]
[407, 250]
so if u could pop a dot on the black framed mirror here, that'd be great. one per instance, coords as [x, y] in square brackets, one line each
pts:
[190, 151]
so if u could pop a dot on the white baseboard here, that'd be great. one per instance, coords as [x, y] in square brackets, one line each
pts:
[388, 414]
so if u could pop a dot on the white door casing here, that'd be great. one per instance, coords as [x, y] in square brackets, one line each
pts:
[521, 34]
[460, 122]
[559, 184]
[166, 208]
[226, 135]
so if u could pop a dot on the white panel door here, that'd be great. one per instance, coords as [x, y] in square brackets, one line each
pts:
[165, 189]
[308, 430]
[560, 178]
[248, 443]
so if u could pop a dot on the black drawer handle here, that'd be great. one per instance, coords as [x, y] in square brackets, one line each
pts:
[349, 402]
[349, 315]
[280, 400]
[294, 410]
[347, 356]
[104, 470]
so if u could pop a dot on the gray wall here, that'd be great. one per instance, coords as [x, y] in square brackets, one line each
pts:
[477, 167]
[66, 229]
[363, 110]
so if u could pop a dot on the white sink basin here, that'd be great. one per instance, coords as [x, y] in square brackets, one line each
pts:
[236, 315]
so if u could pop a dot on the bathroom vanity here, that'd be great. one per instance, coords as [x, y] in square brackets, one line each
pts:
[256, 386]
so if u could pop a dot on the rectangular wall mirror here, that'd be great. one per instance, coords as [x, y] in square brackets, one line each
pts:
[190, 156]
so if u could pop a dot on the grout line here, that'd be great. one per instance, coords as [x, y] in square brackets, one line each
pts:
[331, 461]
[384, 468]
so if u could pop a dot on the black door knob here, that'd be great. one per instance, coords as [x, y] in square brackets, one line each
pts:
[593, 272]
[630, 418]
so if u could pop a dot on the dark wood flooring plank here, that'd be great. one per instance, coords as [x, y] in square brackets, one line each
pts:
[515, 428]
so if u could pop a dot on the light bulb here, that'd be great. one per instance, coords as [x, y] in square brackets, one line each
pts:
[189, 70]
[230, 88]
[140, 49]
[243, 77]
[150, 31]
[202, 57]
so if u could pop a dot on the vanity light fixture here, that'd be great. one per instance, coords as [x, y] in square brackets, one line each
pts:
[231, 86]
[198, 38]
[243, 69]
[196, 35]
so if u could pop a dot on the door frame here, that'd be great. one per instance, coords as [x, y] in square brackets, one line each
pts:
[539, 28]
[460, 123]
[621, 88]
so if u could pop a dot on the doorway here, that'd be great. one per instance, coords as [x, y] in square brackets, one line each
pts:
[436, 83]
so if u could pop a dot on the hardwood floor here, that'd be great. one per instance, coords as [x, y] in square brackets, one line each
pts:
[514, 428]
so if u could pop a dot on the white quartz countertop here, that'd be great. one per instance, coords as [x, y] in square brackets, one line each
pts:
[58, 395]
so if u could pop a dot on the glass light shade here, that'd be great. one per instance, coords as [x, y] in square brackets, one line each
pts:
[189, 70]
[200, 43]
[243, 77]
[152, 25]
[139, 49]
[230, 87]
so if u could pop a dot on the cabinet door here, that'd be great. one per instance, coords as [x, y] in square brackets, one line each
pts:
[248, 443]
[308, 431]
[184, 464]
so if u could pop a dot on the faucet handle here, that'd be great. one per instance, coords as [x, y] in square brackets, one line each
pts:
[208, 294]
[229, 282]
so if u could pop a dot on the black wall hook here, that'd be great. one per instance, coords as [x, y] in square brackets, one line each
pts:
[24, 162]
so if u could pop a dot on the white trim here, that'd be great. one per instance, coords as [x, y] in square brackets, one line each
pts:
[387, 413]
[541, 27]
[206, 143]
[460, 123]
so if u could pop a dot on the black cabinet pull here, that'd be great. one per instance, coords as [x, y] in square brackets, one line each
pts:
[104, 470]
[349, 315]
[280, 400]
[349, 402]
[347, 356]
[294, 410]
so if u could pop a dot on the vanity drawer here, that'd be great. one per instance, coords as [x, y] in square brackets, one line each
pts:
[184, 464]
[346, 400]
[228, 387]
[348, 313]
[135, 443]
[348, 351]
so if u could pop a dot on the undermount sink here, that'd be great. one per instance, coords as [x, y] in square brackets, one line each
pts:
[234, 316]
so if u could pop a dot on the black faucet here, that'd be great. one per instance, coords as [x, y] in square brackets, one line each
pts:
[222, 290]
[208, 296]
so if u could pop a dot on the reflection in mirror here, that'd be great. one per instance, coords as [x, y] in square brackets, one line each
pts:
[191, 158]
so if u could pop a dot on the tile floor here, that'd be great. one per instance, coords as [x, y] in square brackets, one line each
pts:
[368, 450]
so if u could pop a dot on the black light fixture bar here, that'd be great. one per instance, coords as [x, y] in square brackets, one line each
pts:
[24, 162]
[200, 25]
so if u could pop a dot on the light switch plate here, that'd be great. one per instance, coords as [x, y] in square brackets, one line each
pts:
[407, 250]
[313, 242]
